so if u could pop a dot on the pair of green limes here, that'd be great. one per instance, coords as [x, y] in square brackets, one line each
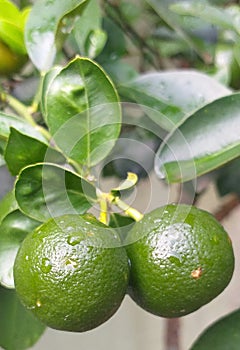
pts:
[73, 272]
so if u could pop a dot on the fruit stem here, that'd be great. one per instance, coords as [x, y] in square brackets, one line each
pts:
[103, 217]
[34, 106]
[24, 111]
[129, 211]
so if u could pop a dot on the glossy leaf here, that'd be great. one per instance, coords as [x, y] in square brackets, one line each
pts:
[83, 112]
[46, 83]
[7, 205]
[46, 190]
[172, 95]
[23, 150]
[87, 31]
[222, 335]
[7, 121]
[13, 229]
[95, 42]
[43, 31]
[19, 329]
[207, 139]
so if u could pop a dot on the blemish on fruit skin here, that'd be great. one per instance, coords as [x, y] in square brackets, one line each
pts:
[73, 240]
[197, 273]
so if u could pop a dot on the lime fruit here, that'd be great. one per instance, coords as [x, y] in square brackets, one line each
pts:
[181, 258]
[72, 272]
[10, 62]
[222, 335]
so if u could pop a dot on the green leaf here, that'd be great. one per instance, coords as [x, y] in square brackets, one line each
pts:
[13, 229]
[228, 178]
[7, 121]
[7, 204]
[47, 190]
[49, 22]
[83, 112]
[207, 139]
[119, 71]
[162, 8]
[171, 95]
[222, 335]
[47, 81]
[115, 46]
[19, 329]
[23, 150]
[212, 14]
[122, 224]
[95, 42]
[87, 31]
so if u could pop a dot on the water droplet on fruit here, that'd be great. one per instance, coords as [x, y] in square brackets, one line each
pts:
[27, 257]
[46, 265]
[71, 264]
[72, 240]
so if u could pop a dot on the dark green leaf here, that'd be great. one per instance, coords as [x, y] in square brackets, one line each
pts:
[222, 335]
[169, 96]
[19, 329]
[115, 46]
[49, 21]
[7, 204]
[23, 150]
[13, 229]
[207, 139]
[121, 223]
[46, 190]
[83, 112]
[7, 121]
[228, 178]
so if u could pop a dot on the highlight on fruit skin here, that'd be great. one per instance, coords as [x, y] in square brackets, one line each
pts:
[72, 272]
[181, 258]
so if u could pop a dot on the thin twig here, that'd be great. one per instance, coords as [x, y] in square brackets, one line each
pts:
[227, 208]
[147, 51]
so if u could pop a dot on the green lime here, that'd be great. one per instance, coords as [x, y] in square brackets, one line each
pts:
[222, 335]
[72, 272]
[181, 258]
[10, 62]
